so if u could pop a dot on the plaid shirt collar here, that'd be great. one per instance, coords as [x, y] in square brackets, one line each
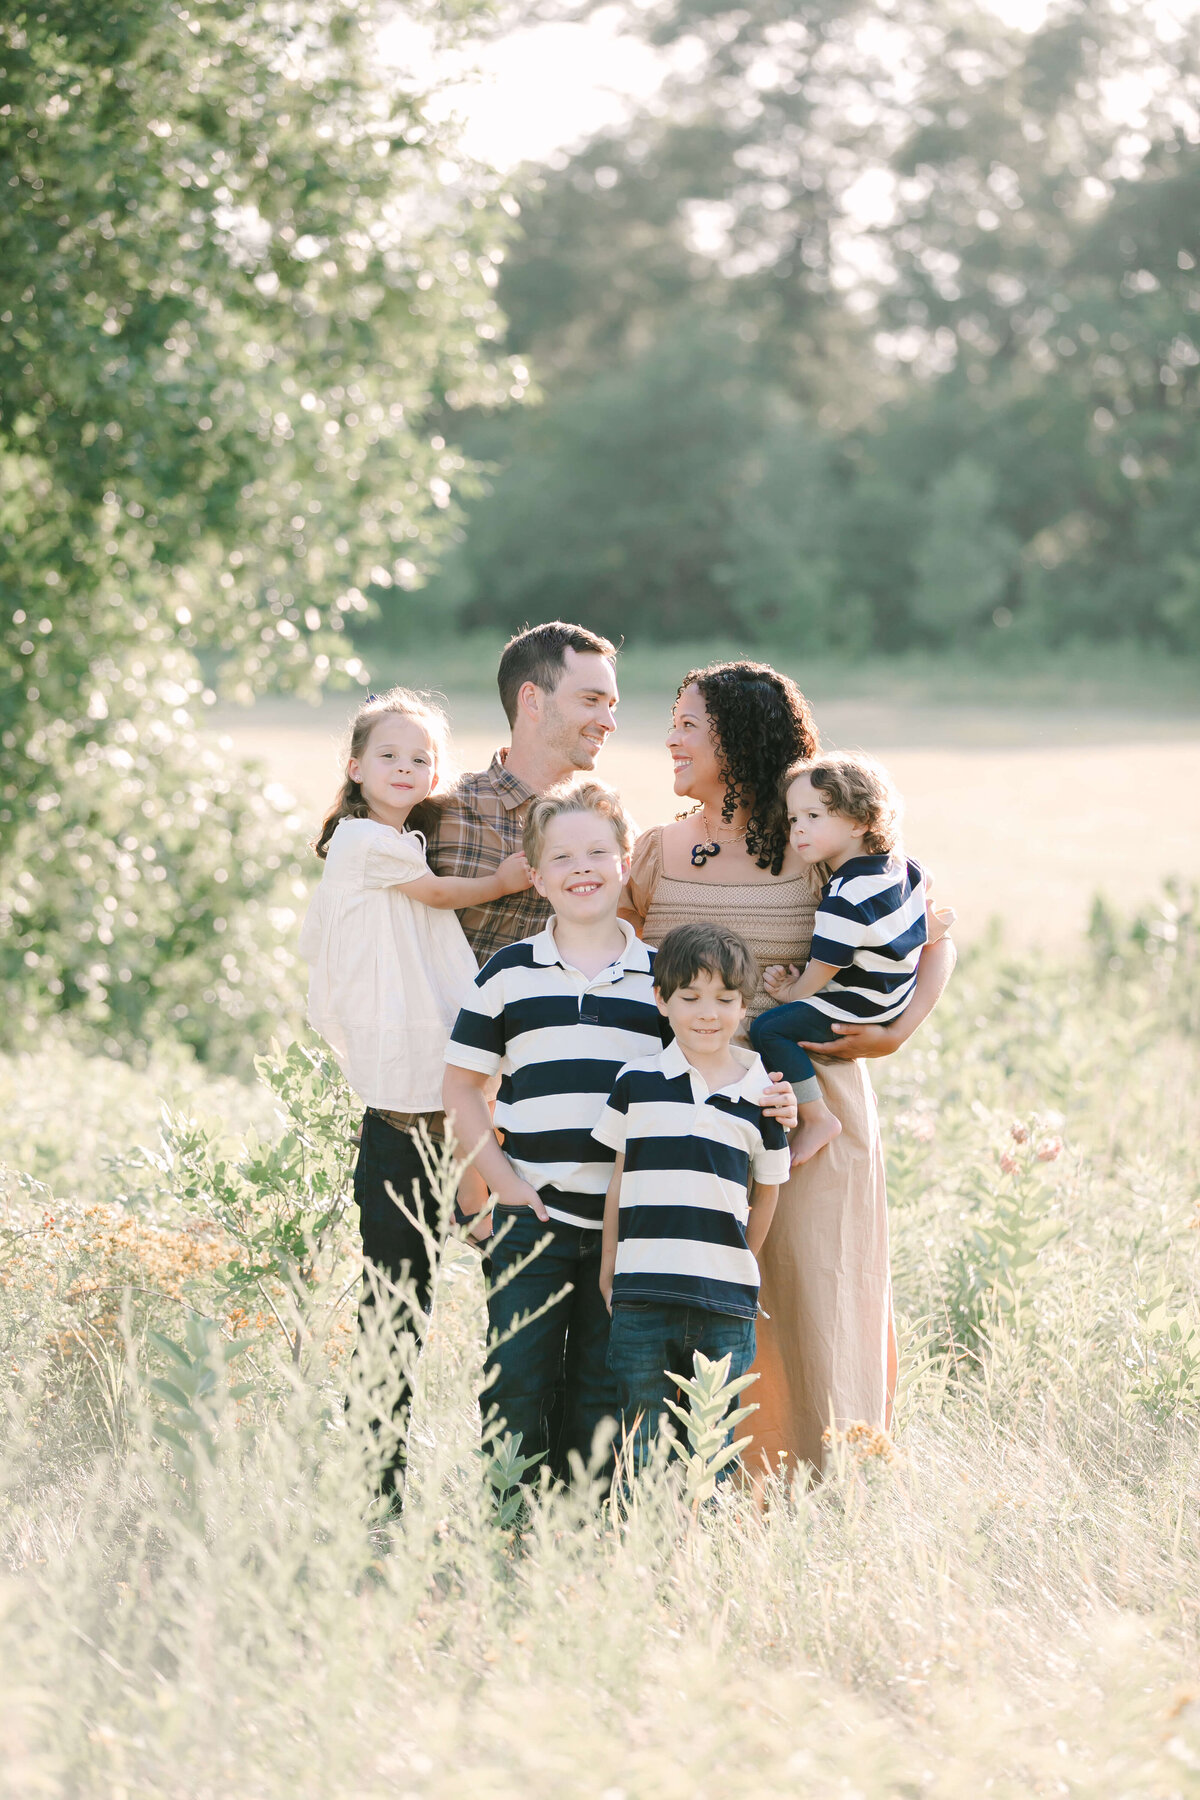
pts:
[512, 791]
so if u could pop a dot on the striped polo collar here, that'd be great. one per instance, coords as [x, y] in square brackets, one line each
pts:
[673, 1062]
[634, 959]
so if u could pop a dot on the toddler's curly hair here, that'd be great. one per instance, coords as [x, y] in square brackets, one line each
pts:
[855, 787]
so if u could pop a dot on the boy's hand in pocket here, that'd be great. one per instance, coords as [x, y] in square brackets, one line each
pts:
[521, 1193]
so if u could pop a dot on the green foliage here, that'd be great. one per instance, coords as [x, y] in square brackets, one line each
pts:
[505, 1471]
[964, 561]
[197, 1396]
[996, 1271]
[241, 286]
[152, 892]
[998, 374]
[282, 1203]
[1158, 949]
[675, 493]
[1164, 1356]
[709, 1423]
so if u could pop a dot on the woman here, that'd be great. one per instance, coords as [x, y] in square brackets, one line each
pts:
[827, 1345]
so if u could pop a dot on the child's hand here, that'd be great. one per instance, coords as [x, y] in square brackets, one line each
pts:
[938, 919]
[520, 1193]
[513, 874]
[779, 1101]
[606, 1287]
[779, 981]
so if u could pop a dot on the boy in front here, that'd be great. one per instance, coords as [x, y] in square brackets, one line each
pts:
[697, 1175]
[556, 1016]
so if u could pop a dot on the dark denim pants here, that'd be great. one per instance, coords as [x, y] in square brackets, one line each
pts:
[394, 1245]
[552, 1381]
[648, 1339]
[777, 1035]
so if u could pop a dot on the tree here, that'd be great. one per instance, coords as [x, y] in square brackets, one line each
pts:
[673, 498]
[965, 559]
[1024, 297]
[239, 279]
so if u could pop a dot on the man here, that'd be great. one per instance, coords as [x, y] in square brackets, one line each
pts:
[558, 687]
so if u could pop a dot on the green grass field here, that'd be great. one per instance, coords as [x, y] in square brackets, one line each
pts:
[196, 1603]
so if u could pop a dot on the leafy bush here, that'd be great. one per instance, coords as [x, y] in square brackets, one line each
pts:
[238, 291]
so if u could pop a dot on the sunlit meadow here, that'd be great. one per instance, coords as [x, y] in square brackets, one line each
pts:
[1002, 1597]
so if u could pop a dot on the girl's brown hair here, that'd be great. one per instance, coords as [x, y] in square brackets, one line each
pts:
[350, 803]
[854, 787]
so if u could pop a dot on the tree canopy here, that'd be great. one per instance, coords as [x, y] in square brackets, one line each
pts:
[958, 258]
[242, 280]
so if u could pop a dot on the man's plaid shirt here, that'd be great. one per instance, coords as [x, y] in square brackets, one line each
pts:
[478, 824]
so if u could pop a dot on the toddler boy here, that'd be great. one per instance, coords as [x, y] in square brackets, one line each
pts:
[697, 1175]
[868, 931]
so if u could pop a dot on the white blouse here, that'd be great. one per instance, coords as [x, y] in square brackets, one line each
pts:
[386, 973]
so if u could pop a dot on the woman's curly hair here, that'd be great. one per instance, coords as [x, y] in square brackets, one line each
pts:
[762, 724]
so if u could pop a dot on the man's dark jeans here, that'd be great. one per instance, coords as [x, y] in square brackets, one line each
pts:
[396, 1248]
[552, 1381]
[650, 1337]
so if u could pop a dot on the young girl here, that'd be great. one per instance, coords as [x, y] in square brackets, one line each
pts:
[868, 931]
[389, 967]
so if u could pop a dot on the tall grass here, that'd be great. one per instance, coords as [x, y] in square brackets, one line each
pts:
[1003, 1598]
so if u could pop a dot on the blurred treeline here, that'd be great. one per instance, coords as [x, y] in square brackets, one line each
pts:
[880, 329]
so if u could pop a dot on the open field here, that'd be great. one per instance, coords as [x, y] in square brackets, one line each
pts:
[1005, 1602]
[1024, 808]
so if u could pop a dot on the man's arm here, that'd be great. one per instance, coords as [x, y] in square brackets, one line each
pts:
[468, 1116]
[763, 1200]
[608, 1241]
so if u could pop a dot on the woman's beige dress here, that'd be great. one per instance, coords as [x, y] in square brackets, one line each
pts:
[825, 1349]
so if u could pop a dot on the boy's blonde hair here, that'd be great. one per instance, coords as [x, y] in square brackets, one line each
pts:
[585, 797]
[854, 787]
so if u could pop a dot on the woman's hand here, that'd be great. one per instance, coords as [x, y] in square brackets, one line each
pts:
[859, 1040]
[779, 981]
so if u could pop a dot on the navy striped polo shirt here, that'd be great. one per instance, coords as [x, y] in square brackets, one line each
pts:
[870, 924]
[690, 1156]
[558, 1040]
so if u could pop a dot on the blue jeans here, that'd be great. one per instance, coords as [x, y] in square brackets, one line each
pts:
[650, 1337]
[777, 1035]
[552, 1379]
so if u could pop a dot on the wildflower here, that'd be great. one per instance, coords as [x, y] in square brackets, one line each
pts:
[1020, 1133]
[1049, 1150]
[1008, 1163]
[864, 1442]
